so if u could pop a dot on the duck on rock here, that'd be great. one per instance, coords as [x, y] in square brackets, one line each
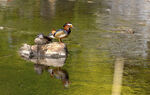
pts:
[61, 33]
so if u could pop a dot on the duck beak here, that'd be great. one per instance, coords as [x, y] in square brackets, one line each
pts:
[71, 26]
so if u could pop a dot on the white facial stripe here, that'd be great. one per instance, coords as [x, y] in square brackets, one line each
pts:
[69, 24]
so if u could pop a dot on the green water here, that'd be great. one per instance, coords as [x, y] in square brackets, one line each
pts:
[93, 46]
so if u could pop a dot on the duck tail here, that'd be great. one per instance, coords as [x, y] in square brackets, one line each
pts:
[48, 38]
[51, 36]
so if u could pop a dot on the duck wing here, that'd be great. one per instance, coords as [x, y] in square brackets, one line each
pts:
[60, 33]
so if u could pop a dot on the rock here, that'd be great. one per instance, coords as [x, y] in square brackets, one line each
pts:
[51, 50]
[25, 51]
[52, 54]
[55, 49]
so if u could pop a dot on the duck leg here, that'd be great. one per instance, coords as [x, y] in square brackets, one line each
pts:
[60, 40]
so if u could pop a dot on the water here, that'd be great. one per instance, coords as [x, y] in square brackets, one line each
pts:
[101, 60]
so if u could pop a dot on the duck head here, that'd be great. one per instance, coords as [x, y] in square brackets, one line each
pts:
[67, 25]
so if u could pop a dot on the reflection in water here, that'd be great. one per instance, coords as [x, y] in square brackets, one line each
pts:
[118, 74]
[48, 8]
[148, 44]
[43, 63]
[127, 14]
[10, 39]
[56, 62]
[133, 14]
[40, 68]
[60, 74]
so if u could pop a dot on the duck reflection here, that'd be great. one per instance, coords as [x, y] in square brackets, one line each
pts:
[61, 74]
[57, 73]
[46, 64]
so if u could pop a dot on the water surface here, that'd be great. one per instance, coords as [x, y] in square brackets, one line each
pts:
[101, 59]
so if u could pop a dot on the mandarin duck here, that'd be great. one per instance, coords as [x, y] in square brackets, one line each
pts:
[61, 33]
